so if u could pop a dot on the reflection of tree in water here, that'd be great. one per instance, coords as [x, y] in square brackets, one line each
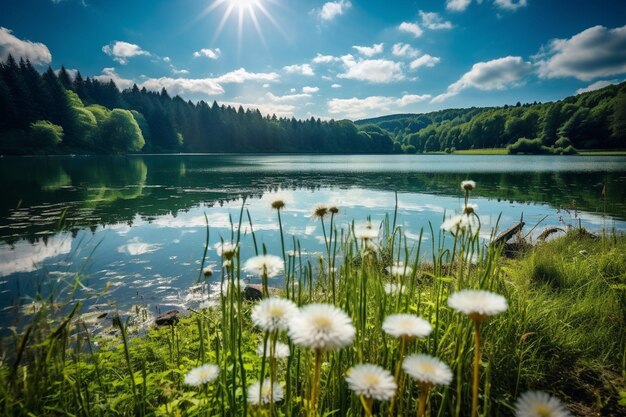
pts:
[105, 190]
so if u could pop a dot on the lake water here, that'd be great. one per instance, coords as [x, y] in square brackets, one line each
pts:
[137, 223]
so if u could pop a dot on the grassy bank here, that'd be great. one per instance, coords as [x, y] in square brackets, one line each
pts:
[564, 332]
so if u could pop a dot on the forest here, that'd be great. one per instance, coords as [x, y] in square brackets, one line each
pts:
[55, 113]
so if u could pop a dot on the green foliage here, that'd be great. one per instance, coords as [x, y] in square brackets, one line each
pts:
[121, 133]
[528, 146]
[44, 134]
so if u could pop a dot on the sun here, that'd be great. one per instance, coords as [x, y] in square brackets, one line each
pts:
[242, 10]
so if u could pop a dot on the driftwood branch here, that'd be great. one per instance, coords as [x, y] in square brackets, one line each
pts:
[508, 234]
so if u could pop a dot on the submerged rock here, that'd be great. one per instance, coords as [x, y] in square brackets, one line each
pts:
[254, 292]
[169, 318]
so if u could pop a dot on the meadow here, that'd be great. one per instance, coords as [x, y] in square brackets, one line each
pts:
[372, 328]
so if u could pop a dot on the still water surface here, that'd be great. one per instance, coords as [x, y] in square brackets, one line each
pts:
[137, 223]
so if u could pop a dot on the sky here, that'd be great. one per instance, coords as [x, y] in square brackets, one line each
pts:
[338, 59]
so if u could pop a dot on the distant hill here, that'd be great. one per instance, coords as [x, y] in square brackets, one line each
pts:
[593, 120]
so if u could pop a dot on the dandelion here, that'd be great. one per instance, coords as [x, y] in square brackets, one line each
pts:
[321, 327]
[540, 404]
[406, 325]
[264, 265]
[319, 211]
[399, 270]
[226, 250]
[278, 204]
[427, 371]
[478, 305]
[468, 185]
[365, 231]
[470, 208]
[333, 210]
[273, 313]
[281, 350]
[202, 375]
[371, 381]
[208, 271]
[459, 223]
[269, 392]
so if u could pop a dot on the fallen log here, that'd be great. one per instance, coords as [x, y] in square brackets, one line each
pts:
[508, 234]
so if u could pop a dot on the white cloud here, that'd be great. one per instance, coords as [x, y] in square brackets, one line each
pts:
[167, 59]
[71, 72]
[424, 61]
[184, 85]
[36, 52]
[292, 90]
[209, 86]
[209, 53]
[180, 72]
[241, 75]
[26, 257]
[303, 69]
[286, 98]
[324, 59]
[593, 53]
[497, 74]
[412, 28]
[266, 85]
[371, 70]
[433, 21]
[597, 85]
[370, 51]
[457, 5]
[310, 90]
[110, 74]
[510, 4]
[279, 109]
[356, 108]
[123, 51]
[332, 9]
[335, 86]
[404, 50]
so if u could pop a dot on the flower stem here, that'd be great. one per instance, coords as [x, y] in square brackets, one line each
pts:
[421, 402]
[476, 368]
[315, 383]
[367, 405]
[397, 376]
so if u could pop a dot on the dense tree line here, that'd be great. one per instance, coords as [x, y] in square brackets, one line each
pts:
[52, 112]
[56, 113]
[593, 120]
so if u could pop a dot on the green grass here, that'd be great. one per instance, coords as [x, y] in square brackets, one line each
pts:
[564, 332]
[601, 152]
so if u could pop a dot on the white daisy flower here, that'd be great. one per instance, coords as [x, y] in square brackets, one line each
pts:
[406, 325]
[202, 375]
[371, 381]
[459, 223]
[365, 231]
[477, 304]
[268, 265]
[427, 369]
[399, 270]
[468, 185]
[540, 404]
[281, 351]
[259, 395]
[273, 313]
[227, 250]
[321, 326]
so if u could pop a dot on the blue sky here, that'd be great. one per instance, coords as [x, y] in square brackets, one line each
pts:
[337, 59]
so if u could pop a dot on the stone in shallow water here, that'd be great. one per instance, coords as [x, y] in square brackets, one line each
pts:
[169, 318]
[254, 292]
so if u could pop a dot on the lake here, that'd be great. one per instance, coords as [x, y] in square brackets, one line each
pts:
[137, 224]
